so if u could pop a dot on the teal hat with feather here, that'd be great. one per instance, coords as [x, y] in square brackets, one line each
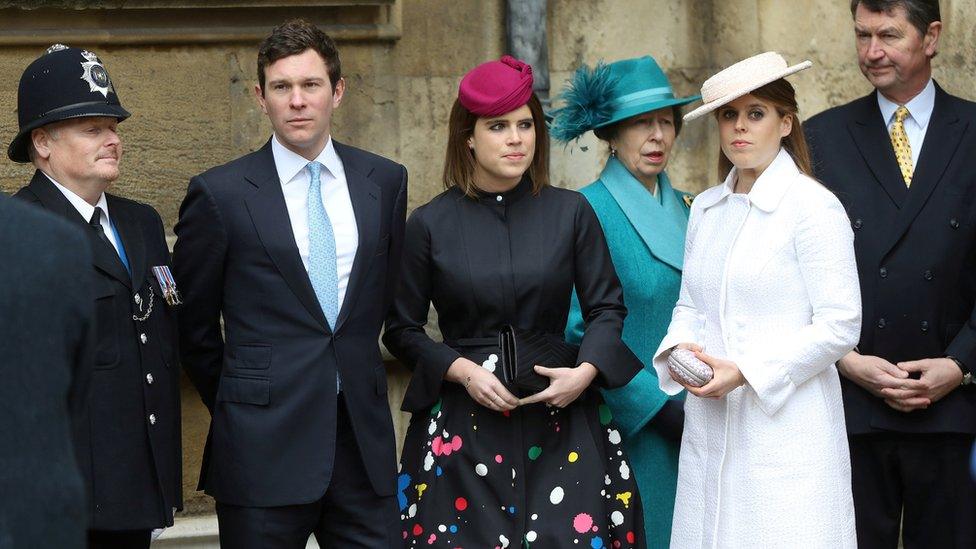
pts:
[607, 93]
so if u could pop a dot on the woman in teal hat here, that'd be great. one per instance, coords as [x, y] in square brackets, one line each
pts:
[630, 105]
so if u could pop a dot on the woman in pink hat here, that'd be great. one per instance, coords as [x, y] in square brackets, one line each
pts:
[532, 458]
[769, 301]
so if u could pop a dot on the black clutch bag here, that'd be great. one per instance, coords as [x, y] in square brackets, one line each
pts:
[521, 350]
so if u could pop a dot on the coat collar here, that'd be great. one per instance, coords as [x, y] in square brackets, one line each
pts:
[768, 190]
[104, 257]
[661, 225]
[51, 198]
[511, 196]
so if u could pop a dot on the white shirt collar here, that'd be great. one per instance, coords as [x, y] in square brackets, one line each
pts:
[289, 164]
[919, 107]
[771, 185]
[84, 208]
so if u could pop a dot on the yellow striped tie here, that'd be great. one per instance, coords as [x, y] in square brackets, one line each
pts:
[903, 149]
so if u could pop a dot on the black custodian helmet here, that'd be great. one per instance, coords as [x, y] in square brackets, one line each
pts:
[61, 84]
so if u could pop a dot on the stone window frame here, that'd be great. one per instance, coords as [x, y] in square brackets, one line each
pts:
[175, 22]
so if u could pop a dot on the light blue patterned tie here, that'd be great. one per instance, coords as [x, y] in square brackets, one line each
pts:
[322, 252]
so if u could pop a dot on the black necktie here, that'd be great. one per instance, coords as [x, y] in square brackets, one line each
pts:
[96, 224]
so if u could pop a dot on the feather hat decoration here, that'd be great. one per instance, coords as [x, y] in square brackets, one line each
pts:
[587, 102]
[608, 93]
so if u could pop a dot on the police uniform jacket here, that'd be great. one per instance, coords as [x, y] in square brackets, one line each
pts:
[915, 247]
[130, 448]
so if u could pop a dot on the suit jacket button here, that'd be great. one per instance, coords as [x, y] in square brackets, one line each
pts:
[928, 275]
[881, 323]
[152, 419]
[143, 338]
[925, 326]
[857, 223]
[883, 272]
[954, 223]
[149, 379]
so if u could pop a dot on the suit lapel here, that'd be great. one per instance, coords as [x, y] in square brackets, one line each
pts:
[873, 142]
[942, 140]
[365, 197]
[271, 221]
[132, 238]
[104, 257]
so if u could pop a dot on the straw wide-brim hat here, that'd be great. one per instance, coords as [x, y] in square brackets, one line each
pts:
[741, 78]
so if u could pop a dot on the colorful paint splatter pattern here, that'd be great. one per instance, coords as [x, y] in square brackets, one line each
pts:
[533, 478]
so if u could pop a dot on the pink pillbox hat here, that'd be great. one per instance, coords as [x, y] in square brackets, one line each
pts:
[496, 87]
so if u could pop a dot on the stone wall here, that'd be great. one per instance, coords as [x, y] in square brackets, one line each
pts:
[193, 105]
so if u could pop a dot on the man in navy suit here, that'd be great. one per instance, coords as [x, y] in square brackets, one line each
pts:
[296, 247]
[901, 160]
[45, 361]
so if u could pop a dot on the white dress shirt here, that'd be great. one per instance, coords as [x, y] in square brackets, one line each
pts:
[917, 122]
[295, 178]
[86, 210]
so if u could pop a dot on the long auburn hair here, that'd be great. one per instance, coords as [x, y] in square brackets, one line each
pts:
[783, 98]
[459, 162]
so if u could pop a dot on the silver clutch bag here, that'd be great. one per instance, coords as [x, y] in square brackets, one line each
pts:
[686, 367]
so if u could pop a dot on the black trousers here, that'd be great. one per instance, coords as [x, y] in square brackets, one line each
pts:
[350, 514]
[119, 539]
[918, 484]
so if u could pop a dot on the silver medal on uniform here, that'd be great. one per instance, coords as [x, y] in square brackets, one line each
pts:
[167, 284]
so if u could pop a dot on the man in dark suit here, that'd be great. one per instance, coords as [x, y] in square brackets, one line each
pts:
[130, 447]
[295, 247]
[45, 363]
[901, 160]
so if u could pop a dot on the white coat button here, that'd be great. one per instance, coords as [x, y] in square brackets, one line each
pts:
[498, 198]
[152, 419]
[149, 379]
[143, 338]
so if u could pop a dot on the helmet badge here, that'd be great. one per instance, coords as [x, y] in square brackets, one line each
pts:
[95, 74]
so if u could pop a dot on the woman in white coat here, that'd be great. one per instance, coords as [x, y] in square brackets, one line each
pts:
[770, 300]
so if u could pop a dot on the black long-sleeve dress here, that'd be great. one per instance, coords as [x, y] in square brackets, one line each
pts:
[536, 476]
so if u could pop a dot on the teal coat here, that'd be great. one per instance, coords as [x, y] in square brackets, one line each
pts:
[646, 235]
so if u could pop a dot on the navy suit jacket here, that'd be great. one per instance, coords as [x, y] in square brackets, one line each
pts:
[269, 379]
[46, 327]
[915, 247]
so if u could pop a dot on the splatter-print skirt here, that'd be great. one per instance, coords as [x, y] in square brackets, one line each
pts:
[535, 477]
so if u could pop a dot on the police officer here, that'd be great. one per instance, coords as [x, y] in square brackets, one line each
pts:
[129, 450]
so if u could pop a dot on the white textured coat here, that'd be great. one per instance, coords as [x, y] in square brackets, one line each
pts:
[770, 282]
